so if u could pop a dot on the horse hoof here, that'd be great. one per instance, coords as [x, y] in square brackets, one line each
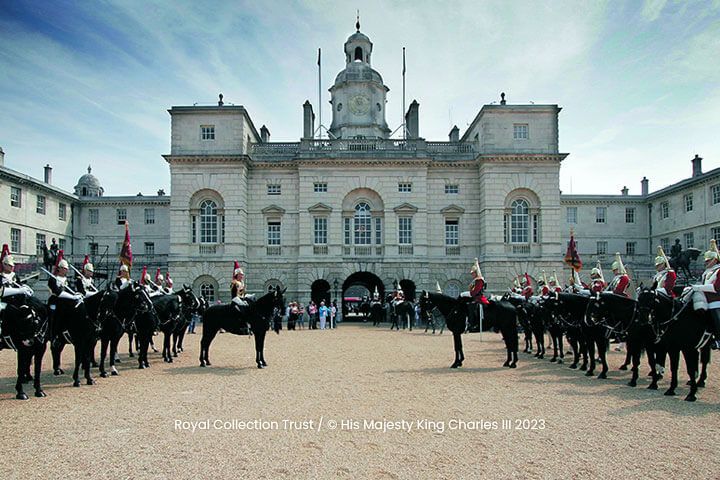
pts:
[76, 383]
[560, 361]
[40, 394]
[588, 373]
[21, 396]
[652, 386]
[141, 367]
[690, 398]
[632, 383]
[174, 354]
[670, 393]
[622, 367]
[541, 357]
[701, 384]
[602, 376]
[583, 367]
[117, 360]
[573, 366]
[506, 364]
[264, 363]
[90, 381]
[58, 372]
[103, 374]
[553, 360]
[202, 365]
[114, 373]
[259, 365]
[455, 365]
[513, 365]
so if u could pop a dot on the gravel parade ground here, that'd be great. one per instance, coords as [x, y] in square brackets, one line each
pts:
[357, 402]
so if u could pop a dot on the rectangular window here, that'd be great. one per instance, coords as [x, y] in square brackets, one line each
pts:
[15, 240]
[688, 202]
[222, 228]
[40, 208]
[94, 216]
[405, 231]
[194, 229]
[40, 242]
[452, 233]
[571, 214]
[149, 216]
[602, 248]
[715, 194]
[121, 216]
[61, 244]
[600, 214]
[520, 131]
[320, 237]
[506, 233]
[62, 212]
[207, 132]
[405, 187]
[452, 189]
[273, 189]
[664, 210]
[519, 228]
[15, 197]
[689, 240]
[94, 249]
[273, 233]
[630, 248]
[536, 228]
[629, 215]
[665, 244]
[149, 248]
[715, 233]
[378, 231]
[320, 187]
[346, 229]
[362, 230]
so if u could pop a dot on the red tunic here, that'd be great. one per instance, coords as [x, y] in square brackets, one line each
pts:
[527, 292]
[597, 286]
[545, 291]
[665, 279]
[476, 291]
[619, 285]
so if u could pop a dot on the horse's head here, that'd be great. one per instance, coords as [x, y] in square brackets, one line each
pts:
[278, 298]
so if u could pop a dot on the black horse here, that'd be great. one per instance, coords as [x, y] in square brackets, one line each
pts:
[25, 329]
[678, 328]
[377, 313]
[190, 305]
[681, 262]
[72, 324]
[402, 314]
[499, 314]
[255, 316]
[607, 315]
[568, 310]
[530, 317]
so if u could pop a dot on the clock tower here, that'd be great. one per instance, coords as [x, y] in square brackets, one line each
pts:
[358, 95]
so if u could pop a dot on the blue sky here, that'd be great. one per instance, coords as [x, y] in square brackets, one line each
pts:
[89, 82]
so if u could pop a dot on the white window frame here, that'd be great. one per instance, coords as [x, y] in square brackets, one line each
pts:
[520, 222]
[689, 239]
[452, 235]
[571, 214]
[715, 194]
[320, 187]
[61, 244]
[209, 222]
[630, 248]
[15, 197]
[362, 224]
[149, 248]
[629, 214]
[40, 241]
[601, 247]
[121, 215]
[274, 233]
[15, 240]
[149, 216]
[320, 230]
[521, 131]
[207, 132]
[62, 211]
[715, 233]
[665, 244]
[600, 214]
[41, 206]
[452, 189]
[207, 290]
[664, 209]
[274, 189]
[94, 216]
[404, 187]
[405, 231]
[688, 202]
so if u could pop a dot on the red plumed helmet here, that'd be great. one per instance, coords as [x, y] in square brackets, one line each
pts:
[143, 275]
[5, 256]
[237, 269]
[168, 279]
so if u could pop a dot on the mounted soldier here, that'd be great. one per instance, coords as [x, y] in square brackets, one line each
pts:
[8, 279]
[553, 284]
[706, 294]
[664, 279]
[152, 289]
[123, 279]
[598, 283]
[237, 288]
[621, 282]
[527, 288]
[168, 286]
[84, 283]
[59, 284]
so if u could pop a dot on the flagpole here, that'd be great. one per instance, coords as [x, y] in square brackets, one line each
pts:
[403, 99]
[319, 96]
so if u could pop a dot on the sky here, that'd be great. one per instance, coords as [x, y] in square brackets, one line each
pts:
[89, 82]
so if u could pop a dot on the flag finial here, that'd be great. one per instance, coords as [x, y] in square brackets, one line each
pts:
[357, 23]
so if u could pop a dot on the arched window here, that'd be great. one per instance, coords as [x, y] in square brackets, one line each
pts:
[207, 290]
[358, 54]
[519, 222]
[208, 222]
[362, 224]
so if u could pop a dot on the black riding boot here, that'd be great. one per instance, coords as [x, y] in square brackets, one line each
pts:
[715, 325]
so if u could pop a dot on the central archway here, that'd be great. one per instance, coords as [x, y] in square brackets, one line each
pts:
[357, 288]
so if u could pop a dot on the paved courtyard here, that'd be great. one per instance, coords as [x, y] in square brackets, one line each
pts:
[357, 402]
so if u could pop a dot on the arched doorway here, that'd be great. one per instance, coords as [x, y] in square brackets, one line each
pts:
[358, 287]
[320, 292]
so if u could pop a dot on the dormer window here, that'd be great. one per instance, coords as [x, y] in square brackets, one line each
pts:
[358, 54]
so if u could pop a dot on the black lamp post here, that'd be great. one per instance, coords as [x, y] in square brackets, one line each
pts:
[335, 284]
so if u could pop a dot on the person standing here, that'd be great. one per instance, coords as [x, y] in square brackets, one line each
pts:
[312, 316]
[333, 315]
[323, 314]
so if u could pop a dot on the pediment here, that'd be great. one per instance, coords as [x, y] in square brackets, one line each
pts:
[405, 208]
[452, 210]
[273, 210]
[320, 208]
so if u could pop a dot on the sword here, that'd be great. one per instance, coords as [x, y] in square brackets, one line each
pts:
[80, 274]
[69, 290]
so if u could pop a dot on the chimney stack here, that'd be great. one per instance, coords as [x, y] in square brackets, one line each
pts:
[412, 120]
[697, 166]
[48, 174]
[455, 134]
[308, 120]
[264, 134]
[644, 186]
[624, 191]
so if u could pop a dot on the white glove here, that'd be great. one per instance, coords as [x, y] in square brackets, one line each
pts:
[28, 291]
[465, 294]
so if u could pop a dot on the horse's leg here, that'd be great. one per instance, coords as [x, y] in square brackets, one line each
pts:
[259, 345]
[89, 353]
[79, 356]
[208, 335]
[628, 356]
[561, 345]
[602, 353]
[93, 362]
[691, 356]
[591, 355]
[39, 352]
[167, 354]
[457, 344]
[674, 361]
[113, 354]
[21, 362]
[553, 336]
[130, 345]
[181, 337]
[103, 352]
[636, 352]
[704, 359]
[56, 348]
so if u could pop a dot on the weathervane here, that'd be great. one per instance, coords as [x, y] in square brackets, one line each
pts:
[357, 23]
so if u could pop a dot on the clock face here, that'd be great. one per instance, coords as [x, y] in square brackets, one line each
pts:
[359, 104]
